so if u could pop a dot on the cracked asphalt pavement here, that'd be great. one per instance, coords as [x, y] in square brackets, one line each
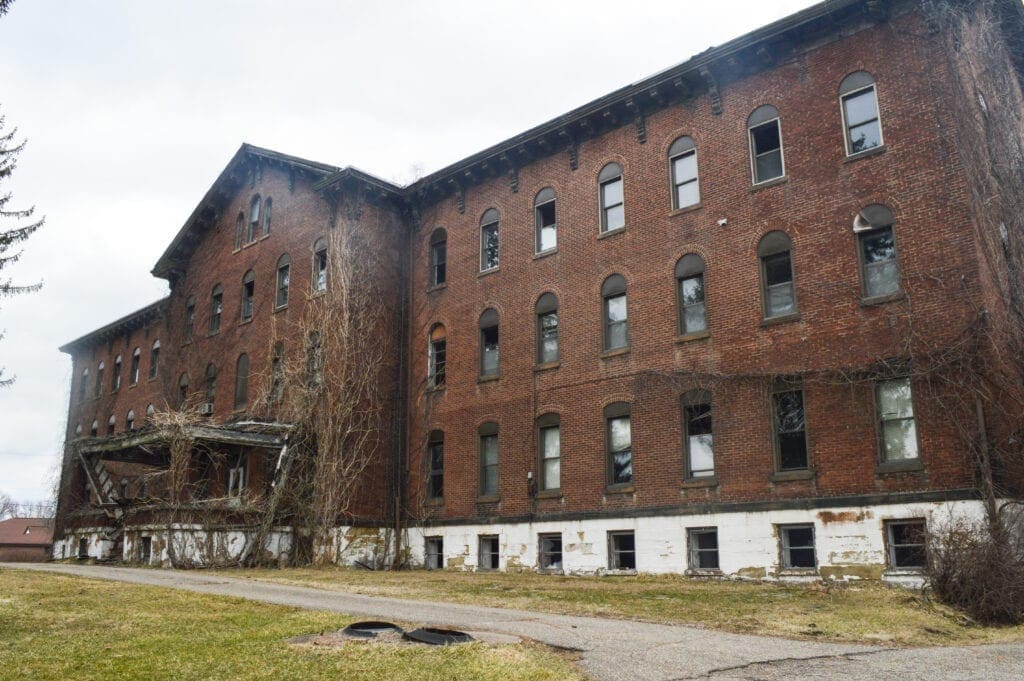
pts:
[612, 649]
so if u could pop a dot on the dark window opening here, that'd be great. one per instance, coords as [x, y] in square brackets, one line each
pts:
[797, 546]
[790, 430]
[435, 476]
[621, 551]
[489, 461]
[766, 149]
[906, 543]
[544, 215]
[550, 550]
[699, 440]
[704, 549]
[489, 552]
[434, 553]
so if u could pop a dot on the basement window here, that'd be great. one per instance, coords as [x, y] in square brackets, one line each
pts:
[703, 549]
[621, 551]
[434, 553]
[797, 547]
[489, 555]
[905, 543]
[550, 548]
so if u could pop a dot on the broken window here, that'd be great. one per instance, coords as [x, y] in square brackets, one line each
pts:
[277, 372]
[435, 474]
[896, 414]
[682, 157]
[242, 381]
[115, 379]
[254, 220]
[314, 359]
[267, 205]
[765, 144]
[880, 274]
[284, 266]
[697, 431]
[437, 355]
[790, 427]
[130, 420]
[182, 389]
[320, 265]
[621, 551]
[216, 307]
[860, 112]
[237, 477]
[83, 385]
[434, 550]
[703, 548]
[550, 440]
[690, 294]
[438, 257]
[544, 215]
[99, 378]
[777, 288]
[239, 230]
[190, 317]
[154, 359]
[134, 373]
[906, 543]
[619, 445]
[94, 429]
[111, 424]
[797, 543]
[489, 355]
[489, 240]
[616, 320]
[489, 554]
[550, 550]
[211, 389]
[613, 214]
[248, 293]
[489, 459]
[145, 549]
[547, 329]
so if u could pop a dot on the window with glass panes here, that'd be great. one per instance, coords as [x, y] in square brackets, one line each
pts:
[435, 456]
[790, 429]
[489, 240]
[860, 112]
[550, 436]
[621, 551]
[906, 543]
[797, 546]
[619, 443]
[545, 218]
[489, 346]
[683, 160]
[489, 460]
[778, 290]
[613, 213]
[896, 414]
[703, 548]
[690, 294]
[765, 144]
[700, 456]
[547, 329]
[550, 551]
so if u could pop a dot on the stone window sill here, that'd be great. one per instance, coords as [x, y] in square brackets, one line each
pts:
[547, 366]
[696, 483]
[484, 273]
[789, 476]
[867, 153]
[550, 494]
[487, 379]
[280, 308]
[544, 254]
[617, 572]
[781, 319]
[439, 501]
[903, 466]
[624, 488]
[696, 335]
[881, 300]
[437, 287]
[769, 183]
[615, 353]
[611, 232]
[488, 499]
[688, 209]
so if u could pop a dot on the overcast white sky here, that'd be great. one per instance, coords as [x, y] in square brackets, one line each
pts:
[132, 108]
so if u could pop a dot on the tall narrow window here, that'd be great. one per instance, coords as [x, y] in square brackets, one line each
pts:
[134, 373]
[619, 443]
[216, 307]
[190, 317]
[154, 359]
[150, 411]
[616, 323]
[248, 294]
[861, 120]
[896, 415]
[94, 429]
[211, 384]
[435, 460]
[237, 475]
[790, 428]
[438, 351]
[489, 348]
[697, 431]
[314, 359]
[99, 378]
[549, 430]
[693, 316]
[83, 385]
[182, 389]
[239, 230]
[254, 220]
[267, 206]
[115, 378]
[242, 381]
[489, 240]
[277, 372]
[434, 553]
[489, 460]
[111, 424]
[682, 157]
[546, 223]
[621, 551]
[610, 194]
[765, 144]
[880, 272]
[284, 268]
[78, 430]
[320, 265]
[777, 288]
[438, 257]
[547, 329]
[488, 554]
[130, 420]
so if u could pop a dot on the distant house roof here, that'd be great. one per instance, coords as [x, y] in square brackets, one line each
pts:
[26, 532]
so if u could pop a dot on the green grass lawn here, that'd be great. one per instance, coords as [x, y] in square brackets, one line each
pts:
[858, 612]
[61, 627]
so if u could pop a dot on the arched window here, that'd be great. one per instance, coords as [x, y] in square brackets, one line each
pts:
[682, 159]
[216, 307]
[616, 320]
[435, 465]
[115, 379]
[438, 351]
[545, 220]
[619, 443]
[876, 246]
[134, 373]
[254, 219]
[267, 206]
[489, 240]
[861, 121]
[150, 411]
[547, 329]
[78, 430]
[777, 282]
[190, 317]
[111, 424]
[83, 385]
[613, 213]
[320, 265]
[211, 383]
[698, 443]
[239, 230]
[248, 295]
[765, 132]
[242, 381]
[94, 429]
[154, 359]
[130, 420]
[314, 358]
[277, 372]
[549, 455]
[690, 295]
[489, 347]
[488, 459]
[284, 268]
[99, 378]
[438, 257]
[182, 389]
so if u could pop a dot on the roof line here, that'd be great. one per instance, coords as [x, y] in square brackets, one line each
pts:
[128, 322]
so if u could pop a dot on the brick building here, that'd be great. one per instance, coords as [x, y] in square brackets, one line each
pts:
[703, 324]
